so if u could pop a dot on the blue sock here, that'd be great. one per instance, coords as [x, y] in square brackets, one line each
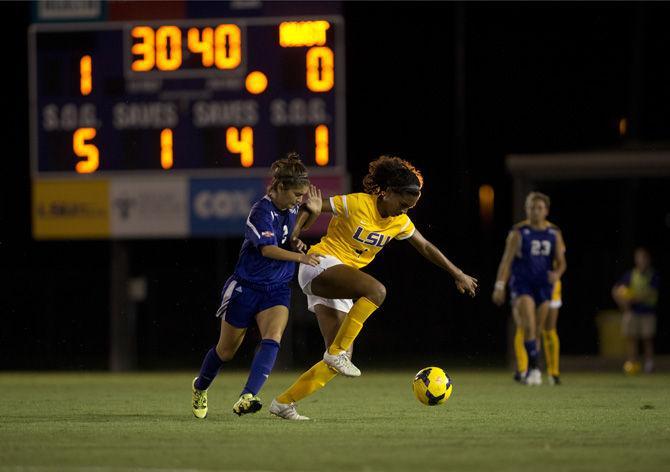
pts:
[210, 367]
[264, 361]
[531, 350]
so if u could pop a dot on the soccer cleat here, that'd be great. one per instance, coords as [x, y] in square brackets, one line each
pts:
[286, 411]
[247, 403]
[648, 366]
[341, 364]
[518, 376]
[199, 401]
[534, 377]
[554, 380]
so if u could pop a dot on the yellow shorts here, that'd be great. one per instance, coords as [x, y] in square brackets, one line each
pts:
[556, 301]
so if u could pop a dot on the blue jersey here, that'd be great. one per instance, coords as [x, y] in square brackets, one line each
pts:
[266, 225]
[536, 255]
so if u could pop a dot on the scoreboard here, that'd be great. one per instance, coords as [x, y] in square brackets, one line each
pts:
[180, 105]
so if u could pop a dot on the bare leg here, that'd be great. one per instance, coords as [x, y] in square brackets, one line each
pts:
[648, 347]
[230, 339]
[329, 320]
[272, 322]
[526, 308]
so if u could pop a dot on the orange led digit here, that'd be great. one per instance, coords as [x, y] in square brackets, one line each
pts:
[227, 46]
[321, 139]
[320, 69]
[85, 70]
[87, 150]
[166, 149]
[144, 48]
[204, 46]
[168, 48]
[242, 143]
[302, 33]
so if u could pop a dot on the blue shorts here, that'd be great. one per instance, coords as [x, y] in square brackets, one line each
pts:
[540, 291]
[241, 301]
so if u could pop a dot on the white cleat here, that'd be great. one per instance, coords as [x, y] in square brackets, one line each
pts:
[534, 377]
[286, 411]
[341, 364]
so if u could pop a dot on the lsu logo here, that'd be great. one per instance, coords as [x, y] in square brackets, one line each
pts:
[372, 239]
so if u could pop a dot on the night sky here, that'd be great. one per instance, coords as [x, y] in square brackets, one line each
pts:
[452, 87]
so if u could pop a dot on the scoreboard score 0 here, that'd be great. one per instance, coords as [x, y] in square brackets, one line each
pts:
[227, 95]
[168, 128]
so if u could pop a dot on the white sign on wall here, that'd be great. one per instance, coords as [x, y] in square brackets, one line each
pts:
[145, 208]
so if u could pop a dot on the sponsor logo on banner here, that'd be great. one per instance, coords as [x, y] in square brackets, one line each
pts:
[149, 208]
[70, 209]
[221, 206]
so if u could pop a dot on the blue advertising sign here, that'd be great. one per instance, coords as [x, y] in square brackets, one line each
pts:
[219, 207]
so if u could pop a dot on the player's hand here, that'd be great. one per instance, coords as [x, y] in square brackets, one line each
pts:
[553, 276]
[314, 200]
[298, 246]
[311, 259]
[498, 296]
[466, 284]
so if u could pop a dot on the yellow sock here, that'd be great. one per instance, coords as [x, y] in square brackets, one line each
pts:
[520, 351]
[556, 351]
[314, 379]
[548, 348]
[352, 325]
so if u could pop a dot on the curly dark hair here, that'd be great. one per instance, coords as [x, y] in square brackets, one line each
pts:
[289, 171]
[394, 174]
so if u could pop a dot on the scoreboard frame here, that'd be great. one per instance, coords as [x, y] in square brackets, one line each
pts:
[339, 137]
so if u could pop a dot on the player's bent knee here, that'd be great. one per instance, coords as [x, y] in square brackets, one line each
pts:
[224, 354]
[376, 294]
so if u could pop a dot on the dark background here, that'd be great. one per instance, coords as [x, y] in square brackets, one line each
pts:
[452, 87]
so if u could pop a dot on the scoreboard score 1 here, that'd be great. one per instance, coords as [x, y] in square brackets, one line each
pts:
[221, 96]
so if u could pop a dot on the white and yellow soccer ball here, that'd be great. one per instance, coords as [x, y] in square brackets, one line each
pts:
[432, 386]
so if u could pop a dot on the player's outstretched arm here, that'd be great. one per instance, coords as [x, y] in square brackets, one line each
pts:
[275, 252]
[313, 206]
[464, 283]
[511, 246]
[309, 211]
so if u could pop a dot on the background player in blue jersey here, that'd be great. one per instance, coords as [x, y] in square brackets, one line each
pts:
[533, 261]
[259, 287]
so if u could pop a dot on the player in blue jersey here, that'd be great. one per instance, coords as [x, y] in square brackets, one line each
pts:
[259, 287]
[533, 261]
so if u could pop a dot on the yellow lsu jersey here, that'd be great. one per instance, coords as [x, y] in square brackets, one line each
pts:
[357, 232]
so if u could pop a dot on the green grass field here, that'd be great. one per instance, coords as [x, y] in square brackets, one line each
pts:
[143, 422]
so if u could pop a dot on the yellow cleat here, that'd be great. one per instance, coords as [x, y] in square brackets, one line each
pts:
[247, 403]
[199, 401]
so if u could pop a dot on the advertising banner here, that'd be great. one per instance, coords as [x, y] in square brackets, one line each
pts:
[149, 208]
[70, 210]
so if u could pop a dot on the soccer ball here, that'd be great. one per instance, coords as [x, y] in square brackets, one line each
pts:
[631, 368]
[432, 386]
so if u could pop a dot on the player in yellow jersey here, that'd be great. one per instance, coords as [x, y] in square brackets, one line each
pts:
[340, 294]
